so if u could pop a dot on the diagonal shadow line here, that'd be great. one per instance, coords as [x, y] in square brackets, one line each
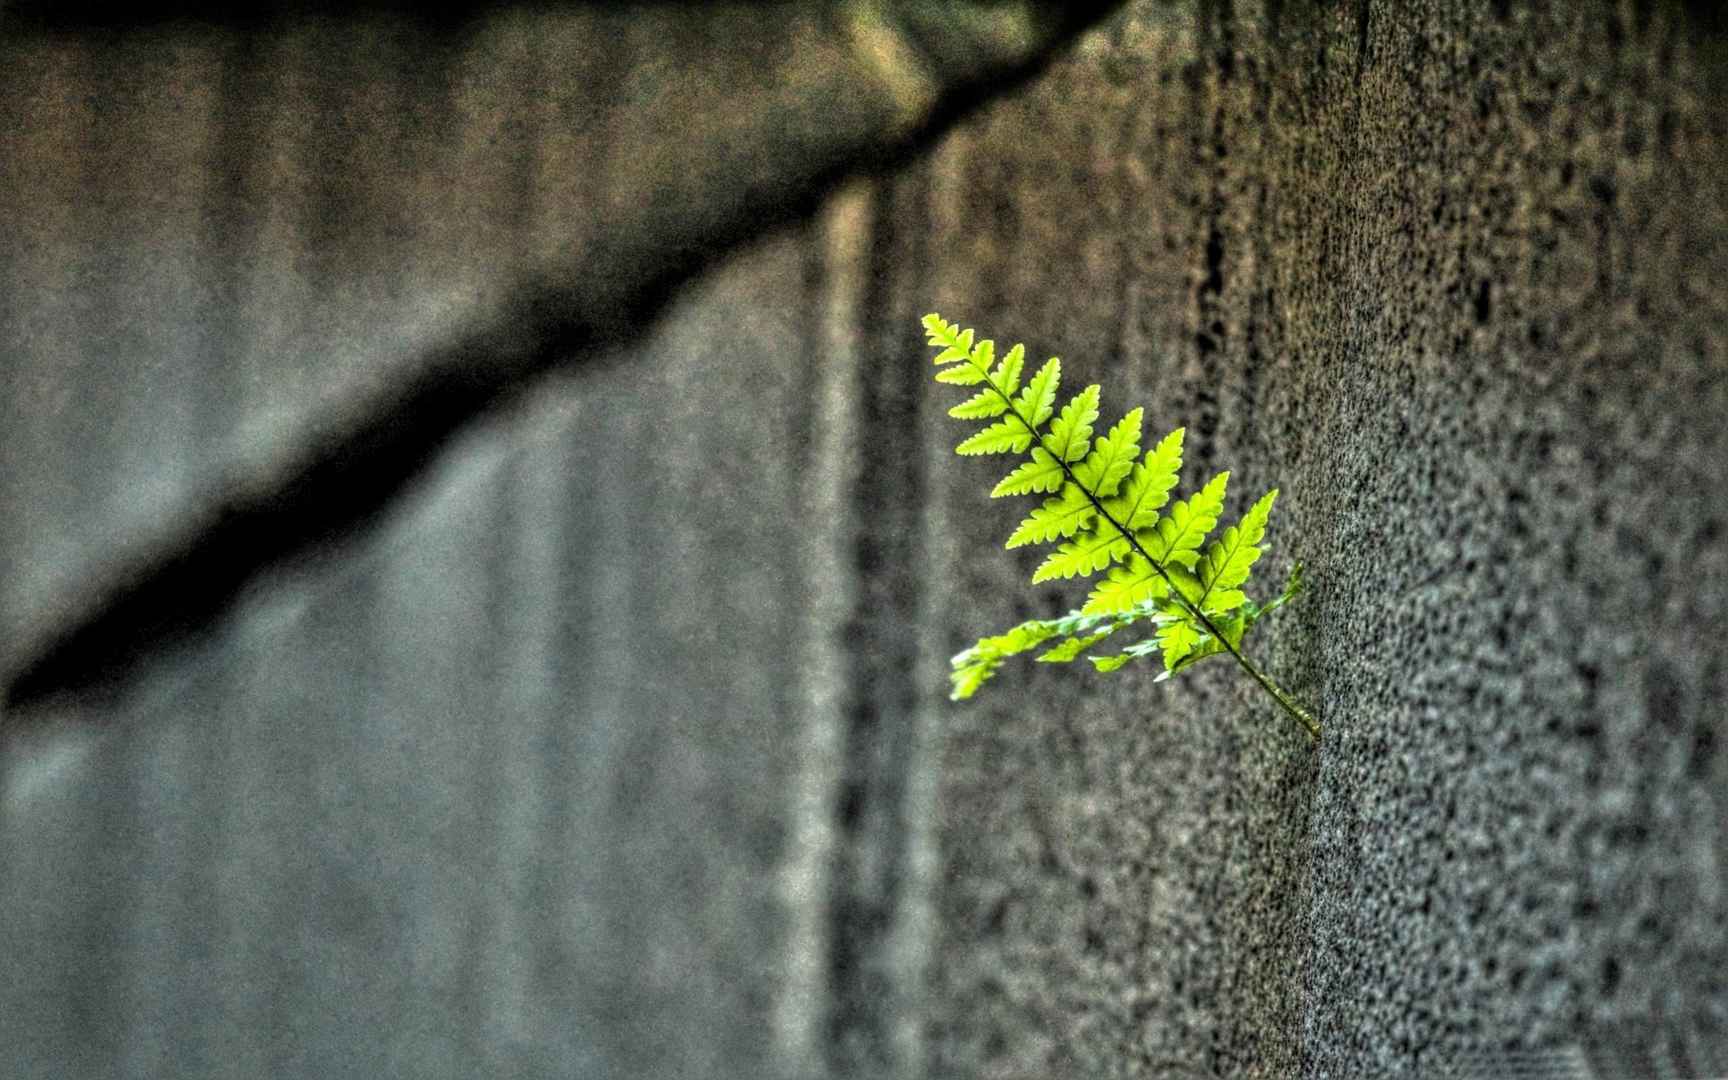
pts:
[342, 485]
[345, 484]
[192, 576]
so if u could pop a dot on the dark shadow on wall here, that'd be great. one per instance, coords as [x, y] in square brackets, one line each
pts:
[329, 500]
[338, 491]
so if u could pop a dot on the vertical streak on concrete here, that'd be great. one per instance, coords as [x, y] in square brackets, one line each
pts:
[531, 526]
[163, 153]
[945, 212]
[924, 672]
[512, 791]
[148, 162]
[63, 849]
[41, 293]
[866, 1033]
[271, 290]
[581, 740]
[228, 233]
[830, 594]
[53, 909]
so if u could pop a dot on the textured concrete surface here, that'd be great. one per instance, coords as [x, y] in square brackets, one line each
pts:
[1448, 275]
[524, 754]
[588, 759]
[466, 207]
[469, 798]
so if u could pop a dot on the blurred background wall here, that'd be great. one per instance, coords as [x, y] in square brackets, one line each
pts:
[520, 437]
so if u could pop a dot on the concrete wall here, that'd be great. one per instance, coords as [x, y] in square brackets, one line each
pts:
[1447, 276]
[605, 734]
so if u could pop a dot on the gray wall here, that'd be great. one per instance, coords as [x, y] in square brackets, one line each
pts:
[1450, 280]
[607, 735]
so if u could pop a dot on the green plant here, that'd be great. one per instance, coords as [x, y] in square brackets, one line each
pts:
[1108, 508]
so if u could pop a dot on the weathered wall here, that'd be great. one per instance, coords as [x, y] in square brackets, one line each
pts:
[618, 746]
[526, 754]
[1448, 275]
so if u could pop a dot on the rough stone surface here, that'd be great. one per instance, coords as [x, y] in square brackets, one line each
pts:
[1450, 278]
[616, 744]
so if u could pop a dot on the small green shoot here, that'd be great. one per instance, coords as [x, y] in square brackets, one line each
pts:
[1108, 509]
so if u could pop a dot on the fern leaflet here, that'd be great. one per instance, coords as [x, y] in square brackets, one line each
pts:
[1107, 505]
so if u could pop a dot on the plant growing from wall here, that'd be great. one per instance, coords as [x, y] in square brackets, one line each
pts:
[1107, 506]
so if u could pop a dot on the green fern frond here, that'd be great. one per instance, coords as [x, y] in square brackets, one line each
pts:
[1071, 435]
[999, 438]
[1294, 586]
[974, 667]
[1111, 663]
[1149, 484]
[1134, 582]
[1176, 641]
[980, 406]
[1112, 459]
[1088, 553]
[1064, 515]
[1232, 556]
[1038, 400]
[1234, 626]
[1042, 473]
[1073, 647]
[963, 374]
[957, 343]
[1001, 384]
[1179, 534]
[1109, 509]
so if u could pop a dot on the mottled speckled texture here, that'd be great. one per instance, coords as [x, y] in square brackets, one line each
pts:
[584, 759]
[1452, 280]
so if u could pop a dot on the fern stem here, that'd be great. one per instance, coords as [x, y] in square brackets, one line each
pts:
[1301, 715]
